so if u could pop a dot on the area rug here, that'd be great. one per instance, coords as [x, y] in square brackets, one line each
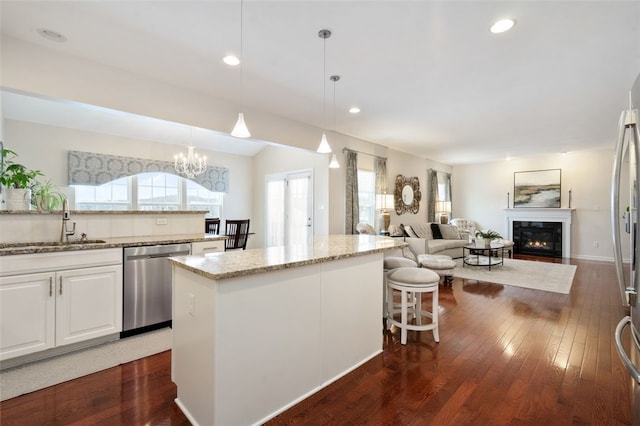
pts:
[41, 374]
[555, 277]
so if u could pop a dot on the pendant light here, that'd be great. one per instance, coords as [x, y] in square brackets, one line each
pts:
[324, 147]
[334, 161]
[240, 130]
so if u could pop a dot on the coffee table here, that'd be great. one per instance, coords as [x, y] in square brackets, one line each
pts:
[483, 256]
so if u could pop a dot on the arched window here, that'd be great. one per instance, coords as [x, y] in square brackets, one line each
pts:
[155, 191]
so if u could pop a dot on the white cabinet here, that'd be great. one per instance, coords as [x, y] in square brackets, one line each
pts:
[88, 304]
[27, 314]
[43, 310]
[202, 248]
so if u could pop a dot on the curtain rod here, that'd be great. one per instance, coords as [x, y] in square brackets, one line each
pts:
[344, 150]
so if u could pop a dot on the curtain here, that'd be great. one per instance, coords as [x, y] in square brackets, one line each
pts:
[381, 175]
[433, 195]
[352, 212]
[88, 168]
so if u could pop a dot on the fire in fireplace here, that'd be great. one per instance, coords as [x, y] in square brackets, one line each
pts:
[538, 238]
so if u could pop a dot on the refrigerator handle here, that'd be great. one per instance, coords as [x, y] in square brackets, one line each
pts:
[633, 371]
[632, 124]
[615, 210]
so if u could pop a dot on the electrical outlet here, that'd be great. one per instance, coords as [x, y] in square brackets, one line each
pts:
[596, 244]
[596, 208]
[162, 221]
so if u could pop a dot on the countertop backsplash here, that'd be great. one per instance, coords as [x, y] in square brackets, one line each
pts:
[34, 226]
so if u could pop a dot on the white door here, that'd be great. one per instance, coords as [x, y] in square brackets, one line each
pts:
[27, 314]
[289, 207]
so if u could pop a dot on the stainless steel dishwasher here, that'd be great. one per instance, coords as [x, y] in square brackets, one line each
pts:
[147, 286]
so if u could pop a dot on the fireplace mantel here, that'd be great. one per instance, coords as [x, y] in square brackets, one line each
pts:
[542, 215]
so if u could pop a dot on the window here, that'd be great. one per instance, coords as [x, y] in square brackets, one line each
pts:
[367, 196]
[158, 191]
[200, 198]
[114, 195]
[149, 191]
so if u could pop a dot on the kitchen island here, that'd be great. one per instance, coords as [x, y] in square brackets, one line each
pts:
[257, 331]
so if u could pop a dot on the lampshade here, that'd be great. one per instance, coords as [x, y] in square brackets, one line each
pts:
[324, 147]
[334, 163]
[443, 206]
[384, 201]
[240, 129]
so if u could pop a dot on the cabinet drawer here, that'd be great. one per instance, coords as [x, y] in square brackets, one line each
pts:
[46, 262]
[202, 248]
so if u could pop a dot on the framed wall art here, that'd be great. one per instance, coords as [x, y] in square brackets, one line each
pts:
[537, 188]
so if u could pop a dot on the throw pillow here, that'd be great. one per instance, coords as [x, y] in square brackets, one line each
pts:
[396, 231]
[410, 232]
[365, 228]
[435, 231]
[406, 252]
[449, 232]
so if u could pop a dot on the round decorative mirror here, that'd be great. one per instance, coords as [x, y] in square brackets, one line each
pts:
[407, 194]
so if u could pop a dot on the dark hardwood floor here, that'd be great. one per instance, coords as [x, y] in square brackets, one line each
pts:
[506, 355]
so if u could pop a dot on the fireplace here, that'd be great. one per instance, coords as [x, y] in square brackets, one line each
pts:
[537, 238]
[562, 217]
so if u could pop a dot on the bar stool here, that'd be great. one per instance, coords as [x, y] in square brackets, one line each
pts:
[392, 262]
[412, 282]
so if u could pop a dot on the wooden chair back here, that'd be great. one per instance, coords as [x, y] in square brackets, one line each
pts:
[212, 225]
[237, 232]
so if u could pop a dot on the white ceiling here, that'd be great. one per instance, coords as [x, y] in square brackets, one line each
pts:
[429, 76]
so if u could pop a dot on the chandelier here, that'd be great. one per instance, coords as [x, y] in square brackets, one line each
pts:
[191, 165]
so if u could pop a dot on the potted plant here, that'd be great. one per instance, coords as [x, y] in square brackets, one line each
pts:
[487, 236]
[17, 180]
[44, 198]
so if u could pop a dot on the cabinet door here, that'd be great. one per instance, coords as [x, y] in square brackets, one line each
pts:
[89, 303]
[27, 314]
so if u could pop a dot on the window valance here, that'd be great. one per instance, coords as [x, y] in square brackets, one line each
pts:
[88, 168]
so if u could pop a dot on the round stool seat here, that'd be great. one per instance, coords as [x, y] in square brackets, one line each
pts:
[439, 263]
[394, 262]
[413, 276]
[411, 283]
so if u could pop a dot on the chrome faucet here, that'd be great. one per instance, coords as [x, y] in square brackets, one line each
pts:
[64, 233]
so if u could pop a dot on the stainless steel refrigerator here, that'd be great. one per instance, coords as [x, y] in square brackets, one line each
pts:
[627, 157]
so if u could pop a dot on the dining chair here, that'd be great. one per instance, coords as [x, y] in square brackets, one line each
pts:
[212, 225]
[237, 232]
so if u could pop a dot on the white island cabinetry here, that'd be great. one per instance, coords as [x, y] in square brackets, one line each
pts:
[55, 299]
[256, 331]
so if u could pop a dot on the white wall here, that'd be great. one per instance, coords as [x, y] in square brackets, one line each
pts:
[480, 193]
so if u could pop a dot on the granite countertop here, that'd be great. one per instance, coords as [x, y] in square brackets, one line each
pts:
[7, 249]
[246, 262]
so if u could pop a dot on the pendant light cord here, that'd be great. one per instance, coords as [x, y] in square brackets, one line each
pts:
[324, 82]
[241, 54]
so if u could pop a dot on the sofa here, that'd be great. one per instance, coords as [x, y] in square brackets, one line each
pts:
[432, 238]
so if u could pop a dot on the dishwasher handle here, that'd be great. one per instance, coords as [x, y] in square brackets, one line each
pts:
[157, 256]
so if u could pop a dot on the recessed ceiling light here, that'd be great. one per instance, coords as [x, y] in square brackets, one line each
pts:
[231, 60]
[354, 110]
[502, 25]
[51, 35]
